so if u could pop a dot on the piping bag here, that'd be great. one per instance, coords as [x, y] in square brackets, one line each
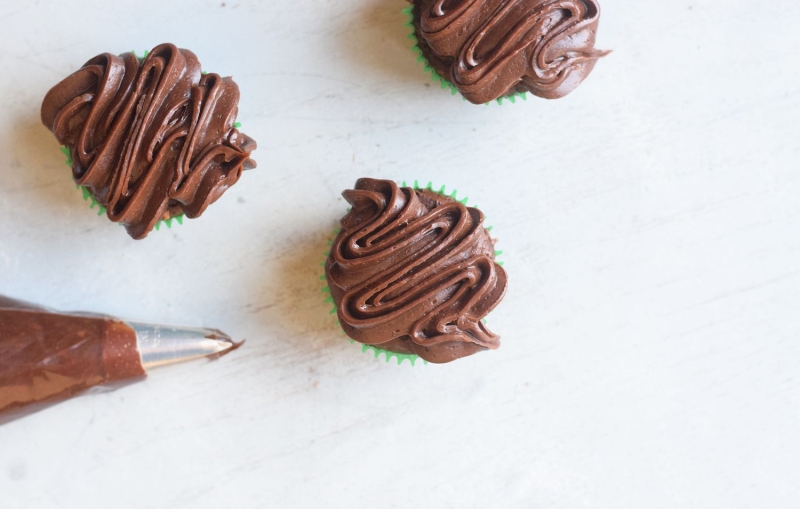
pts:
[46, 356]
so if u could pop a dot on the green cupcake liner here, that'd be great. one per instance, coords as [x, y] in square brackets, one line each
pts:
[435, 76]
[412, 358]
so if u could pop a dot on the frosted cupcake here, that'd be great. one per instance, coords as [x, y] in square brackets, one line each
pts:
[413, 271]
[489, 50]
[149, 139]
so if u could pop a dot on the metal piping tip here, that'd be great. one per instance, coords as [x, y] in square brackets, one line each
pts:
[160, 345]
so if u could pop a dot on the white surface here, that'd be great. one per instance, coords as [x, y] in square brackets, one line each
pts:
[651, 229]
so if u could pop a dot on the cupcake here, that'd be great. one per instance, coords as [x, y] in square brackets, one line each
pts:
[413, 272]
[149, 139]
[494, 49]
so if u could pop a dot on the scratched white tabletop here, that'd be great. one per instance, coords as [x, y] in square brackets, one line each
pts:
[650, 224]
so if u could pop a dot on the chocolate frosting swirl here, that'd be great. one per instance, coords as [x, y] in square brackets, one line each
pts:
[493, 48]
[151, 138]
[414, 272]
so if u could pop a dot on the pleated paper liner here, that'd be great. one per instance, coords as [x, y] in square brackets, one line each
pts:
[435, 76]
[412, 358]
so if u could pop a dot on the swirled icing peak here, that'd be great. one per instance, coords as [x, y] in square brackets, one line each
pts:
[150, 139]
[495, 48]
[413, 271]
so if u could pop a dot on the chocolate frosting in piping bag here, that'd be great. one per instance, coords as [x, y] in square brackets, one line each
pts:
[414, 272]
[493, 48]
[47, 355]
[150, 139]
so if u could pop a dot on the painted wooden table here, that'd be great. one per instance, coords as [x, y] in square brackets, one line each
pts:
[650, 224]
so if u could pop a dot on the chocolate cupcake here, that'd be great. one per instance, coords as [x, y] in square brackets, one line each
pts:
[413, 271]
[149, 139]
[493, 49]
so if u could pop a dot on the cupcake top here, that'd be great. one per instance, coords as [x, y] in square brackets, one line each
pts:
[152, 138]
[413, 271]
[494, 48]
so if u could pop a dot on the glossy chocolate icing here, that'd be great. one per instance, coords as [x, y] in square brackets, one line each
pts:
[494, 48]
[46, 355]
[413, 271]
[151, 138]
